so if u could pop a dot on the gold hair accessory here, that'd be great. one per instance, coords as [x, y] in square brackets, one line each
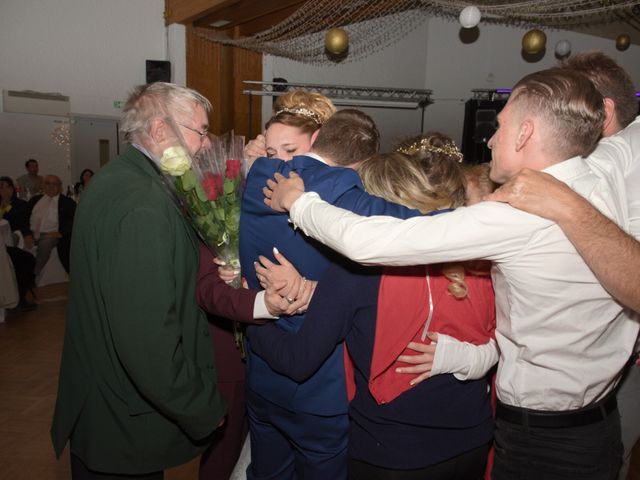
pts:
[450, 149]
[303, 112]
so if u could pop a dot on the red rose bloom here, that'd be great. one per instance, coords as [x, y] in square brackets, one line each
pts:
[233, 168]
[212, 185]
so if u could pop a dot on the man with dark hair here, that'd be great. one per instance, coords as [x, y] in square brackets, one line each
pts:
[30, 183]
[613, 82]
[563, 339]
[282, 412]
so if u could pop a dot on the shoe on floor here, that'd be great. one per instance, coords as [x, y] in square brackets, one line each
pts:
[24, 306]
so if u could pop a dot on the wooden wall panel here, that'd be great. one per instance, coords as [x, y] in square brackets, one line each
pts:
[247, 117]
[217, 72]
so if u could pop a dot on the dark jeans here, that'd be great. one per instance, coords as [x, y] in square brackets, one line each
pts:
[79, 471]
[589, 452]
[466, 466]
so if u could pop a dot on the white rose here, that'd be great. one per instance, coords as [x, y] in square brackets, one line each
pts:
[175, 161]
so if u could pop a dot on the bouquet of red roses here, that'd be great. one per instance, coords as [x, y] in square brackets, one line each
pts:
[212, 189]
[209, 188]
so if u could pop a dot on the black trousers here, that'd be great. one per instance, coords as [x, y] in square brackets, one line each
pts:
[79, 471]
[23, 263]
[466, 466]
[586, 452]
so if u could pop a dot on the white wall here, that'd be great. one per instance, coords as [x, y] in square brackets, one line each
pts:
[92, 51]
[434, 57]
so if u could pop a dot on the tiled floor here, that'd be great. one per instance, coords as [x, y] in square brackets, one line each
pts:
[30, 346]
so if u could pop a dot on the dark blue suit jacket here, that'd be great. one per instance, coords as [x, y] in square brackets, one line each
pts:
[261, 229]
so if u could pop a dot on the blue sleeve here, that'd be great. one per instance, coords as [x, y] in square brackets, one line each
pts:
[299, 355]
[360, 202]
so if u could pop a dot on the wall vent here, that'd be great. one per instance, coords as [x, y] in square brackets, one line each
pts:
[39, 103]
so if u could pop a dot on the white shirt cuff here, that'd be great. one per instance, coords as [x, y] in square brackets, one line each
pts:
[260, 307]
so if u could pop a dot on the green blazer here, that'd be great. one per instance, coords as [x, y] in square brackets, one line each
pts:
[137, 390]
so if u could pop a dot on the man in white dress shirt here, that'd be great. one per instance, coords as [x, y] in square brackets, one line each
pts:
[563, 339]
[613, 255]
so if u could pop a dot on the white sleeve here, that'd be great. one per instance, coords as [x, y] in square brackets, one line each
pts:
[260, 307]
[487, 230]
[465, 360]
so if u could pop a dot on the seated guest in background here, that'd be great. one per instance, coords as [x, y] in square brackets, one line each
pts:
[51, 220]
[16, 212]
[81, 186]
[437, 429]
[30, 183]
[563, 339]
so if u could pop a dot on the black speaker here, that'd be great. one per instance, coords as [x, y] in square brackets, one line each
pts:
[485, 125]
[480, 123]
[158, 71]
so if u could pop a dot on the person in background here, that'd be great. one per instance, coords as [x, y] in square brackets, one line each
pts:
[137, 389]
[16, 212]
[81, 186]
[51, 221]
[563, 339]
[30, 183]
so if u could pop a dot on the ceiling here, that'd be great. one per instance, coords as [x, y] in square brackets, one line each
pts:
[242, 18]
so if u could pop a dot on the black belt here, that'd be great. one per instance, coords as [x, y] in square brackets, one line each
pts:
[572, 418]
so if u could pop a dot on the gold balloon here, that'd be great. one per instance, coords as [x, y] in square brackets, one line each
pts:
[336, 41]
[622, 42]
[534, 41]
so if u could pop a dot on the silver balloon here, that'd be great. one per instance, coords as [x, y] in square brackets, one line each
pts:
[470, 16]
[563, 48]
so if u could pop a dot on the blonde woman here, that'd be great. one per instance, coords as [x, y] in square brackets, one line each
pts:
[297, 117]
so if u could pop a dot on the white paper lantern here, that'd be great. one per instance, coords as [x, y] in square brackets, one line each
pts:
[563, 48]
[470, 16]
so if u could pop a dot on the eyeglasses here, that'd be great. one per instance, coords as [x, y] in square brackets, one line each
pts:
[202, 134]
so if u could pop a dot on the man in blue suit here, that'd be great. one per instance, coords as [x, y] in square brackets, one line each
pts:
[299, 430]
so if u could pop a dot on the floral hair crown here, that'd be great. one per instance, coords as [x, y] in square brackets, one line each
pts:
[303, 112]
[450, 149]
